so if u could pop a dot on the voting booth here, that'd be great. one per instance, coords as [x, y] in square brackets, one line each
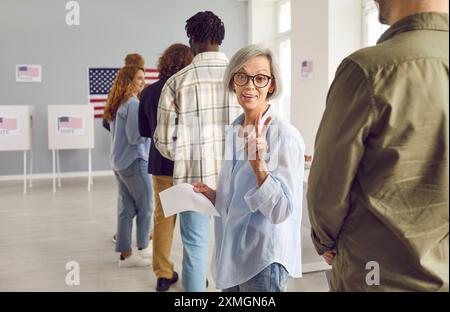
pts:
[70, 127]
[16, 134]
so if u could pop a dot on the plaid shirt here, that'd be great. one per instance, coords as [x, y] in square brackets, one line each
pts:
[192, 114]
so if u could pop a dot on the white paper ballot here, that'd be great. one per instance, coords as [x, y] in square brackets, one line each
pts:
[182, 197]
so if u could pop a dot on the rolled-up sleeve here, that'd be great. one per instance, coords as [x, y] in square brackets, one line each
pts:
[275, 197]
[339, 148]
[165, 133]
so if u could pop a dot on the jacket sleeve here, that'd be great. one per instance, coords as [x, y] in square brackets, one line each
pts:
[165, 135]
[105, 124]
[275, 197]
[131, 126]
[144, 125]
[339, 147]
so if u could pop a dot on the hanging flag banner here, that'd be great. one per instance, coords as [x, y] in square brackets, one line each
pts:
[9, 125]
[28, 73]
[70, 125]
[101, 81]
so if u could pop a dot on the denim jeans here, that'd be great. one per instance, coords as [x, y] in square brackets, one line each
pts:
[134, 200]
[273, 278]
[194, 228]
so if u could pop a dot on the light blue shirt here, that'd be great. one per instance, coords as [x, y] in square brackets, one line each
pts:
[259, 225]
[127, 145]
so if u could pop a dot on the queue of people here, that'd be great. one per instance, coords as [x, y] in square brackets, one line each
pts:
[374, 194]
[174, 58]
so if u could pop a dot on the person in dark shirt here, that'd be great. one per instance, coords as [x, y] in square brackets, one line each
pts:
[174, 58]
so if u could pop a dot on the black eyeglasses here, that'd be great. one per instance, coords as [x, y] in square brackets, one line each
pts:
[259, 81]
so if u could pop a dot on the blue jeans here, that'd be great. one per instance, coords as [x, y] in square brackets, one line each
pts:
[134, 200]
[194, 228]
[273, 278]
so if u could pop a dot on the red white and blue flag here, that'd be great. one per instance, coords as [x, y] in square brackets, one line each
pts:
[307, 67]
[30, 71]
[101, 81]
[8, 123]
[70, 123]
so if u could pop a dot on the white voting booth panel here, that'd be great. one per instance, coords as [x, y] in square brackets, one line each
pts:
[15, 127]
[16, 134]
[70, 127]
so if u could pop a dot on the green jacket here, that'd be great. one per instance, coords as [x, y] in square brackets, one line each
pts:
[378, 186]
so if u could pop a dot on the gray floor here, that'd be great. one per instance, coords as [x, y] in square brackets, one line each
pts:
[41, 231]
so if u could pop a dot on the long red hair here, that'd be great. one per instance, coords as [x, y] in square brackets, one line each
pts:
[121, 91]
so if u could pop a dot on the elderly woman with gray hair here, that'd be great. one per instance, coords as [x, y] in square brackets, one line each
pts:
[259, 193]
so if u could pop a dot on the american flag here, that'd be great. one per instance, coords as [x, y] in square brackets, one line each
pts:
[307, 67]
[29, 71]
[101, 81]
[66, 122]
[8, 123]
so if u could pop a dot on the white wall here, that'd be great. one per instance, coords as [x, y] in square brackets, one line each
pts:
[345, 31]
[309, 41]
[325, 31]
[262, 22]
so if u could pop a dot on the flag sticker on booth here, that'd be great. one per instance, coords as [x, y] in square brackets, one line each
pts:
[70, 125]
[28, 73]
[9, 125]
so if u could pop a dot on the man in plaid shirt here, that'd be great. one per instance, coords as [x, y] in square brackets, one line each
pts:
[192, 114]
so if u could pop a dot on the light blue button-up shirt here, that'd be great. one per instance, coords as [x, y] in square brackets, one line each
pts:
[259, 225]
[127, 145]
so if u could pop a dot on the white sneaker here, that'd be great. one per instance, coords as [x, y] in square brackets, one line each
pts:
[134, 261]
[145, 253]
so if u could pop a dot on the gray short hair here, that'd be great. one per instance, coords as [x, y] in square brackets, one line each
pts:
[243, 56]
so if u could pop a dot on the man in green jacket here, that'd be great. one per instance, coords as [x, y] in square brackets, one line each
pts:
[378, 187]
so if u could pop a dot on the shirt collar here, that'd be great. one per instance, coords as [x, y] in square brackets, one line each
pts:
[269, 112]
[420, 21]
[210, 56]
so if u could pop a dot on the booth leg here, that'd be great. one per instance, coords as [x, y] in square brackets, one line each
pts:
[54, 170]
[31, 168]
[24, 172]
[90, 182]
[58, 168]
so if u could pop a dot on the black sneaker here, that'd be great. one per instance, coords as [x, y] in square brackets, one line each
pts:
[163, 284]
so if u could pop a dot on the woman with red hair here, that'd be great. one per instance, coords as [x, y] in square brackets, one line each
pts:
[129, 154]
